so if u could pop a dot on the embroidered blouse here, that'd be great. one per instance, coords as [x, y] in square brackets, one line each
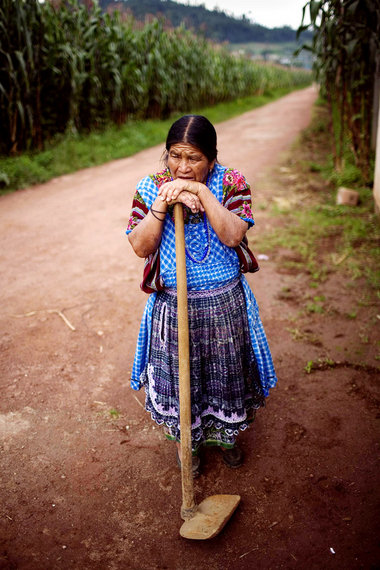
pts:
[209, 262]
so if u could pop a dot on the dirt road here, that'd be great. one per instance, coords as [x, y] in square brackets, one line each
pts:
[87, 481]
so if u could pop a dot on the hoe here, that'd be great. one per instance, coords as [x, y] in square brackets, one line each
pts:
[207, 519]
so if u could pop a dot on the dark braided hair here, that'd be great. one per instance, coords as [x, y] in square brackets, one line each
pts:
[195, 130]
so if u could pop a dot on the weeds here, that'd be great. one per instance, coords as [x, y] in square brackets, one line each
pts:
[316, 305]
[304, 336]
[70, 152]
[352, 314]
[114, 414]
[327, 363]
[309, 367]
[325, 237]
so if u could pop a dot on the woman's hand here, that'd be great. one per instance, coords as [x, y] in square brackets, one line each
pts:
[184, 191]
[170, 191]
[190, 200]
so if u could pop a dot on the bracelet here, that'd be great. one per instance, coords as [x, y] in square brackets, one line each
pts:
[154, 212]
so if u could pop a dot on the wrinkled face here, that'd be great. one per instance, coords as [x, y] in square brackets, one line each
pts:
[188, 162]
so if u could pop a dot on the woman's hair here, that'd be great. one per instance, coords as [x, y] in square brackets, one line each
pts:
[195, 130]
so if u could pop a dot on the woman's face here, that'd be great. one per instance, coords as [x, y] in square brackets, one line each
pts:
[188, 162]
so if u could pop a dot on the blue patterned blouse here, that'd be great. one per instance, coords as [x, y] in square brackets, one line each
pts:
[209, 263]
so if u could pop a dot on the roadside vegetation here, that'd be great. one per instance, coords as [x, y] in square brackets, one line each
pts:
[69, 71]
[72, 151]
[319, 237]
[346, 50]
[315, 238]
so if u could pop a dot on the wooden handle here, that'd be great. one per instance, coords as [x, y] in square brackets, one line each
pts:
[188, 505]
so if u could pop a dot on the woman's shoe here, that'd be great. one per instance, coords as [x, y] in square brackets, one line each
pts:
[233, 457]
[196, 464]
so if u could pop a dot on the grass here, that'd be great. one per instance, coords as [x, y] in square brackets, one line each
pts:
[316, 305]
[326, 237]
[114, 414]
[71, 152]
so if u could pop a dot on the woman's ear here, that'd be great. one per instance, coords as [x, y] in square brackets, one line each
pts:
[211, 165]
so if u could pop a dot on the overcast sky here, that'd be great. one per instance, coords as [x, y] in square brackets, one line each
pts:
[268, 13]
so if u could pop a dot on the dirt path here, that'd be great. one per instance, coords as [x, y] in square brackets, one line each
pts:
[87, 481]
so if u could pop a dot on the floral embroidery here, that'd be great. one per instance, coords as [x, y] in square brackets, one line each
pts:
[139, 211]
[161, 177]
[228, 179]
[132, 223]
[234, 178]
[236, 197]
[237, 194]
[247, 211]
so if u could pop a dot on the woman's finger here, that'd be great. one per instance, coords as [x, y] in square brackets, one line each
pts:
[190, 200]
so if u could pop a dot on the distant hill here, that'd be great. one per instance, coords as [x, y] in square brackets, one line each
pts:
[213, 24]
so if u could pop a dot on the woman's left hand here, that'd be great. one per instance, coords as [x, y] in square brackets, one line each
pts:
[170, 191]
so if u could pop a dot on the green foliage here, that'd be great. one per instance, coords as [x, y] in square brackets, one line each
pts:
[315, 306]
[352, 314]
[356, 236]
[309, 367]
[346, 46]
[326, 237]
[75, 69]
[325, 364]
[73, 151]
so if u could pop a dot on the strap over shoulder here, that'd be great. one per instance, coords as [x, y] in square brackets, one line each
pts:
[248, 262]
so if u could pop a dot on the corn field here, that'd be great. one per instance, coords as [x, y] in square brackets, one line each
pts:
[346, 48]
[68, 68]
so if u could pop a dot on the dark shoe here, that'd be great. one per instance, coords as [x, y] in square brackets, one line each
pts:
[196, 465]
[232, 457]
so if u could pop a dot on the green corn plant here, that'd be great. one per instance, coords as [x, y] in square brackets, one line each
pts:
[71, 68]
[346, 47]
[20, 64]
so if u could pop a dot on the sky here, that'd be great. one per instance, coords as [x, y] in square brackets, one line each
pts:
[268, 13]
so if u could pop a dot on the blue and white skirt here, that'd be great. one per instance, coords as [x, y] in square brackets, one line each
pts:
[225, 381]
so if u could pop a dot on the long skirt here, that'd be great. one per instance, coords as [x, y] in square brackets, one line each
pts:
[225, 384]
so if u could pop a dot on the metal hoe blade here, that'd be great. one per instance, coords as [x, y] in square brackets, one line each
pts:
[210, 517]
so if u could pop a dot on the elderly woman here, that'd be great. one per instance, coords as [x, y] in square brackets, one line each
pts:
[230, 362]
